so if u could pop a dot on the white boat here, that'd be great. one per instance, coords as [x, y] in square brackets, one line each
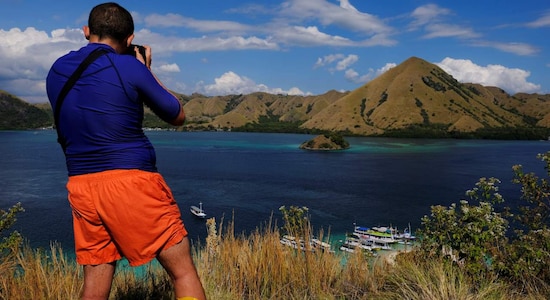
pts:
[198, 211]
[347, 248]
[314, 244]
[353, 242]
[382, 246]
[318, 244]
[292, 242]
[406, 237]
[380, 235]
[352, 247]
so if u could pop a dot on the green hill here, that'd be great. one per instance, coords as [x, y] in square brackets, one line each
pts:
[18, 114]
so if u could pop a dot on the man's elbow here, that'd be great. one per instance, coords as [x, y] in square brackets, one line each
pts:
[180, 119]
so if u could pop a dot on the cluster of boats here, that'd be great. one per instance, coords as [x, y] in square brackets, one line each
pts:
[375, 238]
[362, 238]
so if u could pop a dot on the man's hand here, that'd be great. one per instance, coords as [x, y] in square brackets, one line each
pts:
[144, 60]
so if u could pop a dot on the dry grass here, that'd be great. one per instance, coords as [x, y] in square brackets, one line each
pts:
[258, 266]
[39, 274]
[440, 280]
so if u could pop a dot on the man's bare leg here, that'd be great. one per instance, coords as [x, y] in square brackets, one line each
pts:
[177, 261]
[97, 281]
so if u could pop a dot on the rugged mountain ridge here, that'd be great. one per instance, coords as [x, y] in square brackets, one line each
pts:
[415, 93]
[238, 110]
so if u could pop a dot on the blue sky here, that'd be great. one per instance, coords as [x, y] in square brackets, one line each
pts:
[304, 47]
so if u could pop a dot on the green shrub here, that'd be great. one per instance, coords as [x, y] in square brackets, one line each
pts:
[296, 221]
[7, 219]
[336, 138]
[484, 238]
[470, 234]
[527, 257]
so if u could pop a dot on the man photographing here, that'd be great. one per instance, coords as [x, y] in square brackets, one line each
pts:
[122, 207]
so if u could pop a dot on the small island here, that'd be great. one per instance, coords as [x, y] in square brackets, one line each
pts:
[326, 142]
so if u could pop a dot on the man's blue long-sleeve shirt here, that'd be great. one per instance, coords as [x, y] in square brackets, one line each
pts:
[101, 117]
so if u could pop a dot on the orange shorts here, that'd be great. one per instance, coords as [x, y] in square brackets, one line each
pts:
[123, 213]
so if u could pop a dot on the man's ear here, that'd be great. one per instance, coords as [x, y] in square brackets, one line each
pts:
[129, 40]
[86, 30]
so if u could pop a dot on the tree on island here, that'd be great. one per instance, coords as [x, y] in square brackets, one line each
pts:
[326, 141]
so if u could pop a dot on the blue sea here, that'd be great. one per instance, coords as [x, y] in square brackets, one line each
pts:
[246, 177]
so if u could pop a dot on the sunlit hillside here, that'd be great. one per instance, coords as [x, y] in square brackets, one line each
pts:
[415, 94]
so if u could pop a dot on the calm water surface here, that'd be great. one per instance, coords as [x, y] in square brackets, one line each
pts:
[248, 176]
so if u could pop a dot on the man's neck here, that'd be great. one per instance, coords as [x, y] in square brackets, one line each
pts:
[108, 41]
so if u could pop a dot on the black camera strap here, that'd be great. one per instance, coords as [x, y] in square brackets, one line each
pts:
[69, 85]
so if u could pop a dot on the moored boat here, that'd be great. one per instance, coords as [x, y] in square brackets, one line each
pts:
[198, 211]
[385, 236]
[314, 244]
[352, 244]
[406, 237]
[347, 248]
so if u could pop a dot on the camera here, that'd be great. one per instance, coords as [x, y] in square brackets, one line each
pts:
[141, 50]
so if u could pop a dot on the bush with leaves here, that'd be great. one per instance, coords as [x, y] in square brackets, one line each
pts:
[296, 221]
[471, 234]
[481, 239]
[7, 219]
[528, 254]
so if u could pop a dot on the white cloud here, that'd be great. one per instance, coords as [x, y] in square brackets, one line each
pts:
[308, 36]
[346, 62]
[431, 18]
[26, 56]
[426, 14]
[328, 59]
[327, 13]
[252, 9]
[296, 91]
[32, 90]
[176, 20]
[512, 80]
[333, 17]
[168, 68]
[447, 30]
[32, 51]
[354, 77]
[287, 27]
[515, 48]
[347, 6]
[385, 68]
[343, 63]
[167, 20]
[231, 83]
[166, 44]
[543, 21]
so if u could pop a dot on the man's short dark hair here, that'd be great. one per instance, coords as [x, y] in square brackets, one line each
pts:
[110, 20]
